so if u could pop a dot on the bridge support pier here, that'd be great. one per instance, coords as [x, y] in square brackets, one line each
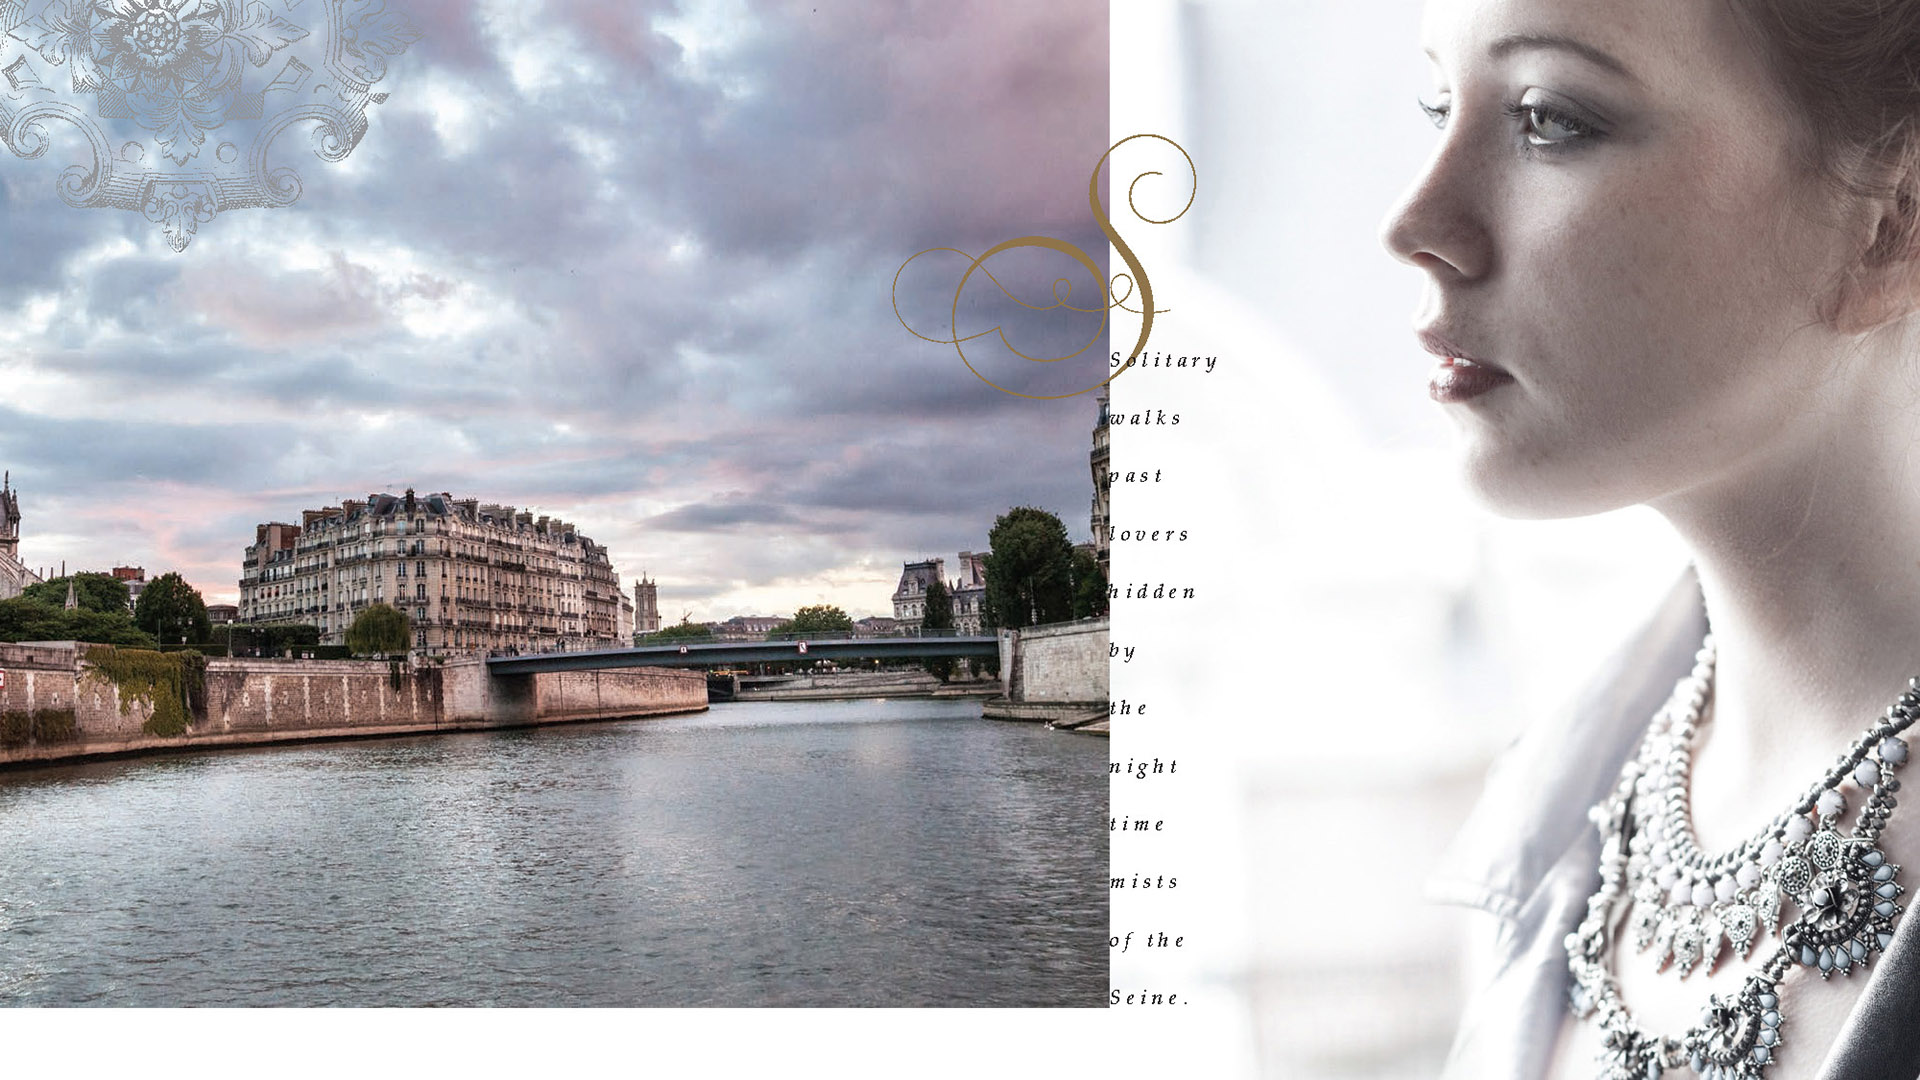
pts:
[1055, 673]
[475, 696]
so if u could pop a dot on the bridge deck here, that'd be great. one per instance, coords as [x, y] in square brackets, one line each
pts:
[728, 653]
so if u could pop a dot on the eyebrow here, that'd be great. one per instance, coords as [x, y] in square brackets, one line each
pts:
[1513, 43]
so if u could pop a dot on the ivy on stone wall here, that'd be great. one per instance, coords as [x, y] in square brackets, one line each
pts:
[19, 727]
[172, 685]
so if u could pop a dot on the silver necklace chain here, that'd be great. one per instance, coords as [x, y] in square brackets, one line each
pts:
[1693, 909]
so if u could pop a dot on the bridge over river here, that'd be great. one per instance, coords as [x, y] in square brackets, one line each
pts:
[730, 653]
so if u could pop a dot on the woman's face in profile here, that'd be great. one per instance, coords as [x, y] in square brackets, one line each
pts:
[1622, 249]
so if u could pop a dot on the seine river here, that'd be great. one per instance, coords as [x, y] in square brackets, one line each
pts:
[808, 853]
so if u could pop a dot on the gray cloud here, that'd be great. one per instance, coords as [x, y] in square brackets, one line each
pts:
[602, 258]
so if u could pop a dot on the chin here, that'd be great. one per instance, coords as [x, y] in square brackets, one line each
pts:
[1524, 486]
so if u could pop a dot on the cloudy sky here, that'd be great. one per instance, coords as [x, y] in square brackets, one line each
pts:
[620, 261]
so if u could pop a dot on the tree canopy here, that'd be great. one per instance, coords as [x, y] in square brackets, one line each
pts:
[1029, 569]
[1089, 585]
[379, 629]
[680, 631]
[172, 611]
[939, 608]
[92, 590]
[24, 618]
[816, 619]
[938, 615]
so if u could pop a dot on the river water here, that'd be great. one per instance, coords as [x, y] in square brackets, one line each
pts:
[807, 853]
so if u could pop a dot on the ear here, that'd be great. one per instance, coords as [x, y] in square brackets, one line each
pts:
[1884, 286]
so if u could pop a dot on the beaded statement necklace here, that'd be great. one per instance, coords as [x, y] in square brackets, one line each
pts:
[1826, 897]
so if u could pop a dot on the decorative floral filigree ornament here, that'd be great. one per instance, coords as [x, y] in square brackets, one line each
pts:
[1849, 903]
[1736, 1038]
[1630, 1054]
[147, 82]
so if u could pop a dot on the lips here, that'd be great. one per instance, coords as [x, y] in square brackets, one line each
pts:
[1459, 376]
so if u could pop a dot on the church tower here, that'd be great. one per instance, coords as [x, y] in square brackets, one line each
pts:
[13, 576]
[646, 606]
[9, 518]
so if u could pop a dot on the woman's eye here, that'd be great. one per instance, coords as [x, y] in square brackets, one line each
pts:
[1545, 125]
[1437, 113]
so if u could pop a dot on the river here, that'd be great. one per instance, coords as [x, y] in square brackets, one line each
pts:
[900, 852]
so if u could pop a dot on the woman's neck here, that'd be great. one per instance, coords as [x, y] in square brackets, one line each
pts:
[1810, 565]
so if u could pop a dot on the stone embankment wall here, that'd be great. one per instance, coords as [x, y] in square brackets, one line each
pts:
[1056, 673]
[842, 685]
[53, 708]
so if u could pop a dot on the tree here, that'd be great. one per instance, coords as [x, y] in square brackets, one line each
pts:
[1029, 569]
[817, 619]
[938, 616]
[681, 631]
[172, 611]
[379, 629]
[93, 591]
[939, 607]
[24, 618]
[1089, 585]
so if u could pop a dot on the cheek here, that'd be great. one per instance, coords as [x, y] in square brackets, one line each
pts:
[1669, 288]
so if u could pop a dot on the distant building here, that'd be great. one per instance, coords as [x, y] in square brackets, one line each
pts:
[910, 596]
[623, 625]
[646, 606]
[745, 627]
[14, 576]
[217, 614]
[967, 592]
[876, 626]
[1101, 460]
[472, 576]
[135, 578]
[970, 593]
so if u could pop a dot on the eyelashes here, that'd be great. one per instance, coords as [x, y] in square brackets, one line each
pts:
[1544, 125]
[1540, 124]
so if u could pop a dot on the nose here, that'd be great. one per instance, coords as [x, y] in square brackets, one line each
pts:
[1441, 225]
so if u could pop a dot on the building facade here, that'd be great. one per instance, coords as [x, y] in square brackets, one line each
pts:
[745, 628]
[1101, 459]
[623, 626]
[472, 576]
[14, 576]
[135, 579]
[968, 593]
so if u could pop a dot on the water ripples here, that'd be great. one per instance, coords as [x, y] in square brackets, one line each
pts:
[807, 853]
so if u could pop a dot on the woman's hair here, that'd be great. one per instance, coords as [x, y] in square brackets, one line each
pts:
[1852, 69]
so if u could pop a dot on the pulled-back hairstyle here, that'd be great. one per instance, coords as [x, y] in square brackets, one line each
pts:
[1852, 68]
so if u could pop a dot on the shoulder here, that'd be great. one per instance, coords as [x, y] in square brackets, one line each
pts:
[1539, 790]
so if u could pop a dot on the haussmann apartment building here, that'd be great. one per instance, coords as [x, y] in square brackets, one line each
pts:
[473, 577]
